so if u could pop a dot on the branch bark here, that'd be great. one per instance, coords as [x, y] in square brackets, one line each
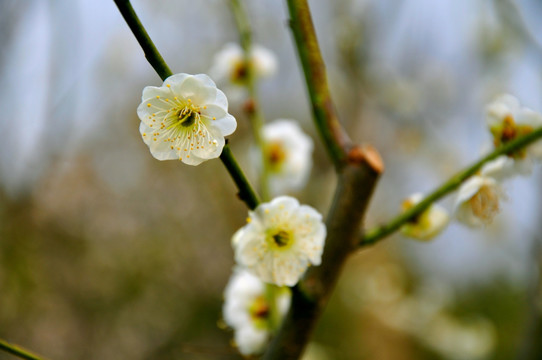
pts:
[335, 139]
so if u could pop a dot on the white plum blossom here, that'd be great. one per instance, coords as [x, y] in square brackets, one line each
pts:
[428, 224]
[247, 310]
[507, 120]
[288, 152]
[279, 242]
[478, 199]
[185, 119]
[229, 64]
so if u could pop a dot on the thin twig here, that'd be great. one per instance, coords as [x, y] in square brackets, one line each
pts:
[246, 193]
[252, 107]
[374, 235]
[151, 53]
[18, 351]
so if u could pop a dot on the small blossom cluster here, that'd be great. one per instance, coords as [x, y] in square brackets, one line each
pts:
[187, 119]
[281, 239]
[479, 197]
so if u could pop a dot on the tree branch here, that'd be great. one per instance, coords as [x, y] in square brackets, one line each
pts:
[358, 169]
[374, 235]
[356, 183]
[335, 139]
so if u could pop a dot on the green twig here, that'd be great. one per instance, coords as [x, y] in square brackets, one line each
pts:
[243, 24]
[453, 183]
[252, 107]
[151, 53]
[245, 190]
[333, 135]
[18, 351]
[246, 193]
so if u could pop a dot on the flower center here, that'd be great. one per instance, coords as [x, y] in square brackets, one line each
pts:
[509, 129]
[485, 204]
[240, 72]
[275, 155]
[187, 116]
[281, 238]
[507, 132]
[259, 312]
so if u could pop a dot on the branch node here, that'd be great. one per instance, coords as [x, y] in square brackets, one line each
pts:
[359, 154]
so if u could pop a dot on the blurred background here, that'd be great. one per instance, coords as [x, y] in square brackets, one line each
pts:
[107, 253]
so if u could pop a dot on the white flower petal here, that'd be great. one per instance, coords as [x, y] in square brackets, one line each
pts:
[253, 252]
[250, 340]
[478, 201]
[176, 80]
[469, 188]
[151, 92]
[222, 120]
[264, 60]
[286, 269]
[206, 80]
[499, 169]
[530, 118]
[157, 147]
[199, 92]
[221, 100]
